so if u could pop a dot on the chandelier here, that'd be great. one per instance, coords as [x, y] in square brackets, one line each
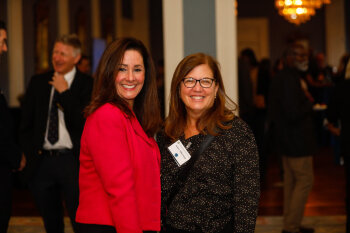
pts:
[299, 11]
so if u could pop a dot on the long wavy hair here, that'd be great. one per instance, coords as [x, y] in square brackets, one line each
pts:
[214, 118]
[146, 104]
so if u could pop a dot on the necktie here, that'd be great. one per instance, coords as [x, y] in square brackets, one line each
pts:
[52, 135]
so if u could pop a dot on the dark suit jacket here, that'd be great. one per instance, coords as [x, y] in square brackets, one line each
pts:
[9, 152]
[35, 113]
[245, 86]
[339, 109]
[290, 116]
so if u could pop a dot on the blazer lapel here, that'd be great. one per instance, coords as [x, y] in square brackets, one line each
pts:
[47, 94]
[139, 130]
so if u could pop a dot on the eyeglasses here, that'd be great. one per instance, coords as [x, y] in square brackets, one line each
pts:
[204, 82]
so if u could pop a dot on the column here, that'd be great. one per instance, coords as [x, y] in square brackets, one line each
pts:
[226, 45]
[63, 17]
[118, 17]
[138, 24]
[95, 19]
[15, 54]
[335, 31]
[173, 42]
[207, 26]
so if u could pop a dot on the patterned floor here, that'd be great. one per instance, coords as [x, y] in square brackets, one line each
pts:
[321, 224]
[265, 224]
[32, 225]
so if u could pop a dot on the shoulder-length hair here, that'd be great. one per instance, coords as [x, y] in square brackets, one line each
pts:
[215, 117]
[146, 104]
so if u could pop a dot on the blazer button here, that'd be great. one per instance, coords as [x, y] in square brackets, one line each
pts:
[40, 152]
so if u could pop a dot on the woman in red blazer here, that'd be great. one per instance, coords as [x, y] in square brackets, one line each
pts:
[119, 177]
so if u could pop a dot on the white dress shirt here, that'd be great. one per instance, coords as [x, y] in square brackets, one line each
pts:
[64, 140]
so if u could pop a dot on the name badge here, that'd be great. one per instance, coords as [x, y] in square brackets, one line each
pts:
[179, 153]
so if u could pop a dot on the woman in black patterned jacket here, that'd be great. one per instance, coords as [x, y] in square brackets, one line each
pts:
[221, 191]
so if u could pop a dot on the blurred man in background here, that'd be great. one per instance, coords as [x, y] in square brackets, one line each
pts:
[50, 131]
[10, 156]
[290, 115]
[84, 65]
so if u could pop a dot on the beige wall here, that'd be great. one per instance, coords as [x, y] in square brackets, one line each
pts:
[335, 31]
[226, 45]
[15, 54]
[138, 27]
[225, 21]
[63, 17]
[253, 33]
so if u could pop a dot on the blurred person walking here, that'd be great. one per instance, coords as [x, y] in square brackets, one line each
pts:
[290, 116]
[339, 113]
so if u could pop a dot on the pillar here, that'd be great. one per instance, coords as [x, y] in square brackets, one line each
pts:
[207, 26]
[15, 53]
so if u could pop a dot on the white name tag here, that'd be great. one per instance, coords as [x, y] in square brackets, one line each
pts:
[179, 153]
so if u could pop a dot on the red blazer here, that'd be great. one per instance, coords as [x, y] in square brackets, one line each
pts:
[119, 177]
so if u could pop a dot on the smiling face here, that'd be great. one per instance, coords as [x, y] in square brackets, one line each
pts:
[130, 77]
[64, 58]
[198, 100]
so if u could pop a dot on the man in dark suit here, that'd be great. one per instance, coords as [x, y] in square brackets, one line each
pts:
[50, 131]
[290, 114]
[339, 112]
[10, 156]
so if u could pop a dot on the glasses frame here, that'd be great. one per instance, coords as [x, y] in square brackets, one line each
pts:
[199, 80]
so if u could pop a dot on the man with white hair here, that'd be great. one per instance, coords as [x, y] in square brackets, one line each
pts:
[51, 126]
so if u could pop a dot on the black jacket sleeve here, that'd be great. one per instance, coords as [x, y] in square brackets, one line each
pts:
[73, 102]
[9, 152]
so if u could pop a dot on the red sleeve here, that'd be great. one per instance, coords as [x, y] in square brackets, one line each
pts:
[108, 146]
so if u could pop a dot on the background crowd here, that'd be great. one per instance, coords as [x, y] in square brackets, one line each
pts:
[290, 107]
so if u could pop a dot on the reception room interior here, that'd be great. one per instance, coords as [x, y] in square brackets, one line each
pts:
[33, 26]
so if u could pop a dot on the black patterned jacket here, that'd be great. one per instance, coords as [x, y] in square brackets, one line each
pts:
[223, 185]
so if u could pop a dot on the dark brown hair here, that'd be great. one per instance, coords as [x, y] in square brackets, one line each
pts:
[212, 120]
[146, 104]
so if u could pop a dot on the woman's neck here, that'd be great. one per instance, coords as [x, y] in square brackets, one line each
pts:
[131, 104]
[191, 127]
